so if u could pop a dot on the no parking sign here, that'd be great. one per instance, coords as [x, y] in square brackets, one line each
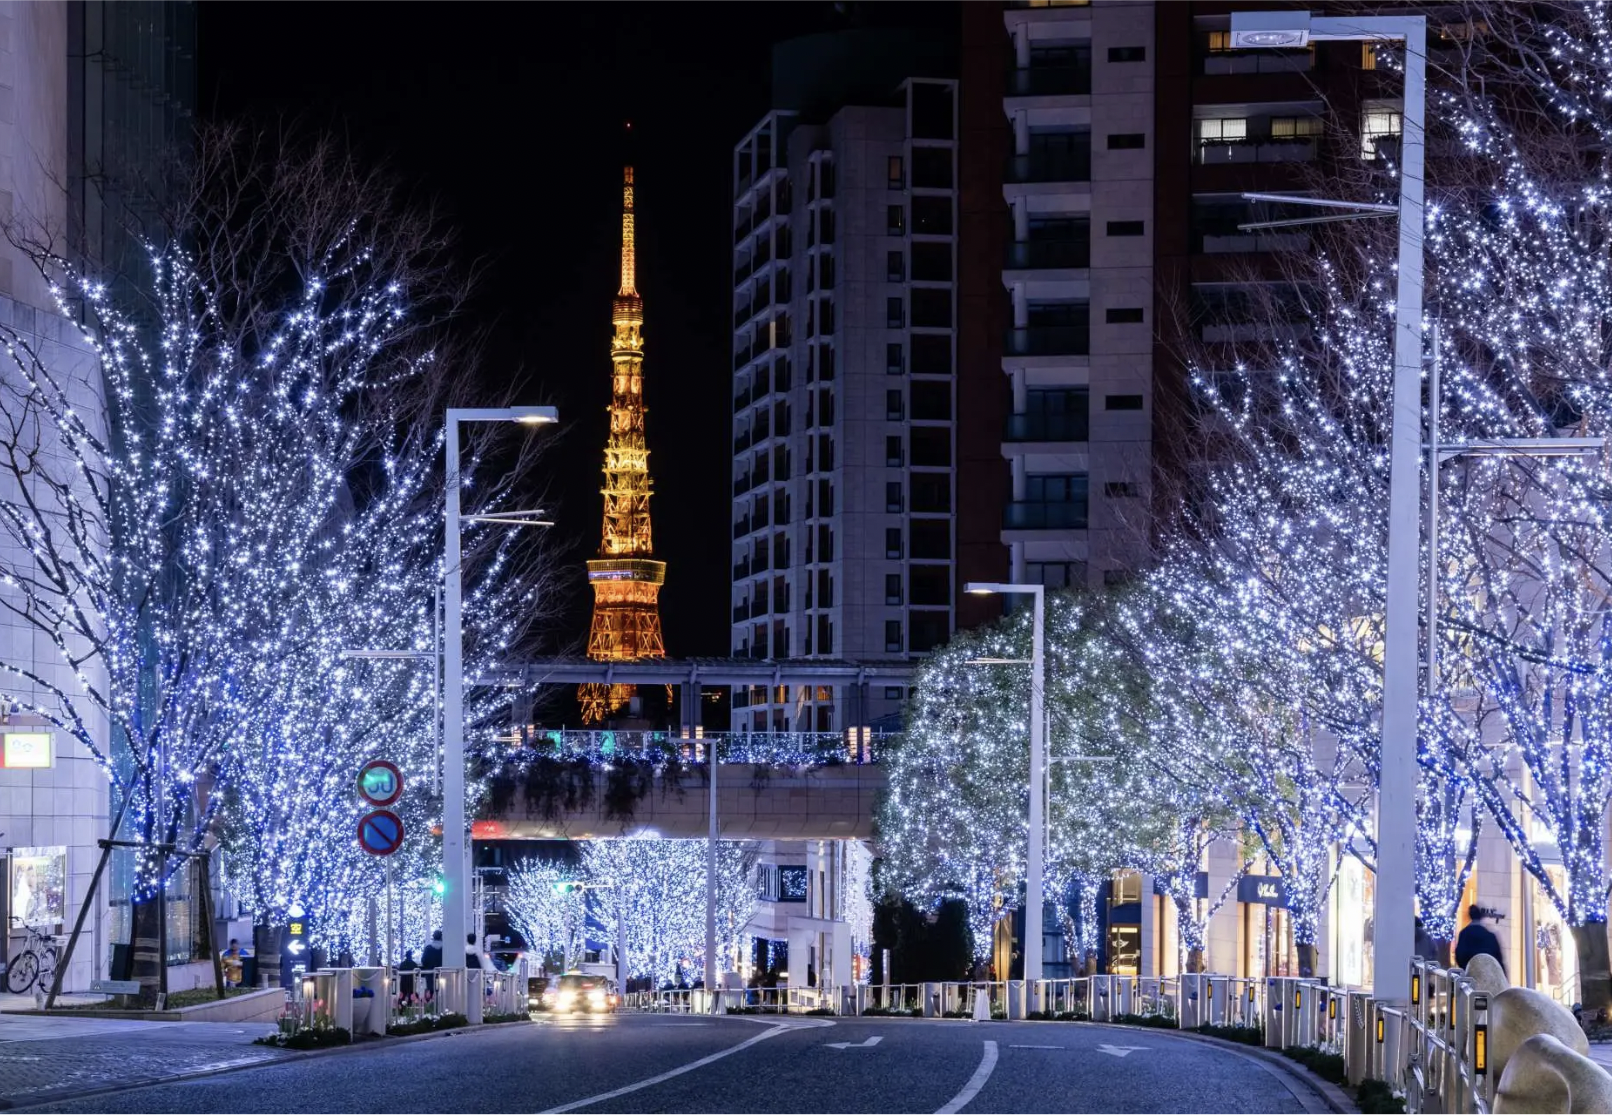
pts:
[380, 784]
[380, 833]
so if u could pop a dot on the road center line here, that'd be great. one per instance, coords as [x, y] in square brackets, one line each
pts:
[972, 1087]
[674, 1073]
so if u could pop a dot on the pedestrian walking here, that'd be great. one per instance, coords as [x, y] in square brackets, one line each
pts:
[1425, 947]
[431, 957]
[405, 975]
[472, 958]
[1477, 938]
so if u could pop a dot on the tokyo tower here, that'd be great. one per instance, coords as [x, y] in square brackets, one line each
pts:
[626, 579]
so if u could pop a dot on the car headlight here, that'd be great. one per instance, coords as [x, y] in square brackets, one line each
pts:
[596, 998]
[567, 999]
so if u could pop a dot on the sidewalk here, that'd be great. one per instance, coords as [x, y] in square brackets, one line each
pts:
[42, 1058]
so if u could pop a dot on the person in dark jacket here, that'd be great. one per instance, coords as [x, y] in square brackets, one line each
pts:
[431, 957]
[1425, 947]
[405, 979]
[472, 956]
[1477, 939]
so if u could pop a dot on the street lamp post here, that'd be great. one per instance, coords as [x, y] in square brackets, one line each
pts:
[1035, 862]
[1394, 917]
[454, 847]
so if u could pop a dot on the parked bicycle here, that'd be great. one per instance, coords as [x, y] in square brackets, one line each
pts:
[34, 964]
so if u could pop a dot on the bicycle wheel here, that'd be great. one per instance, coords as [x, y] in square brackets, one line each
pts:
[47, 961]
[21, 972]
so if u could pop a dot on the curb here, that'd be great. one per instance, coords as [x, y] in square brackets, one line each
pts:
[1330, 1093]
[45, 1098]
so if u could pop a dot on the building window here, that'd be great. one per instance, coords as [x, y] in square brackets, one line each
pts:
[932, 216]
[895, 220]
[825, 226]
[1125, 228]
[1220, 41]
[1127, 54]
[1380, 129]
[932, 261]
[1222, 130]
[892, 543]
[1117, 315]
[825, 179]
[1295, 127]
[892, 590]
[894, 408]
[825, 274]
[895, 266]
[892, 451]
[892, 496]
[897, 173]
[1122, 403]
[932, 307]
[1126, 141]
[1056, 576]
[892, 359]
[1368, 56]
[892, 636]
[894, 313]
[932, 168]
[893, 694]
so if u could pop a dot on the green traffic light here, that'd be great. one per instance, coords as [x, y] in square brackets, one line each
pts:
[439, 887]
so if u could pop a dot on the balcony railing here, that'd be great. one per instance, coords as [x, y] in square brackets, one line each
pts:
[1048, 341]
[1065, 167]
[1040, 81]
[1028, 515]
[1256, 151]
[1254, 242]
[1044, 427]
[1049, 254]
[1258, 61]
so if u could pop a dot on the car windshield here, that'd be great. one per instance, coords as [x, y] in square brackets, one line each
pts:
[579, 982]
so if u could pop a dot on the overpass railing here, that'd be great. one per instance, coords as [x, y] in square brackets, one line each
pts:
[658, 747]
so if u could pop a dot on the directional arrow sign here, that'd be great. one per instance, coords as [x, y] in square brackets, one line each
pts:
[868, 1043]
[1119, 1049]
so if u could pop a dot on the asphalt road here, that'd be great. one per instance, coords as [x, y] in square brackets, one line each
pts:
[671, 1064]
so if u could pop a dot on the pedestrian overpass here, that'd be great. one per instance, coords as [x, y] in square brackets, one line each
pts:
[585, 784]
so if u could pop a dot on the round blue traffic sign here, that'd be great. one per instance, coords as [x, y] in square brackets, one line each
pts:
[380, 783]
[380, 833]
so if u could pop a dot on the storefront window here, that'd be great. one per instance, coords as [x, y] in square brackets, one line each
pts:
[1555, 955]
[1353, 902]
[1125, 949]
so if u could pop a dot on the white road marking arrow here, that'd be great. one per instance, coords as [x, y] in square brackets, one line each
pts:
[868, 1043]
[1119, 1049]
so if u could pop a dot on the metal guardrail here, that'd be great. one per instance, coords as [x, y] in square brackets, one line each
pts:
[1443, 1049]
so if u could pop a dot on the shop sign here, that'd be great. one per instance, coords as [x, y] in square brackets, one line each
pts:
[1262, 890]
[1200, 886]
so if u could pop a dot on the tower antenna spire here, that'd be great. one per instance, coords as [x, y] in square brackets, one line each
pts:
[626, 579]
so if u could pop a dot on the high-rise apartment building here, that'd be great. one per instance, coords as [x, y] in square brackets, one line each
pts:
[845, 319]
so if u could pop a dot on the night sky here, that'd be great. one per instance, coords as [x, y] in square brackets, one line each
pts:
[509, 118]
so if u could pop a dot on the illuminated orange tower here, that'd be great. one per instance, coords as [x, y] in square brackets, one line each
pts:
[626, 579]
